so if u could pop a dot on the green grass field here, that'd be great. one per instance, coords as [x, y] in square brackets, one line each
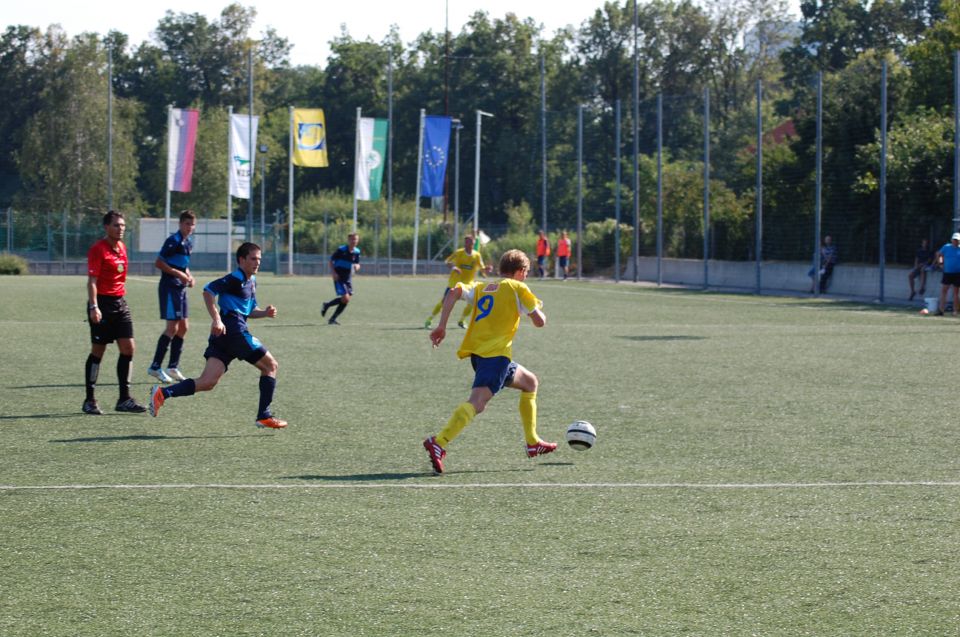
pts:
[765, 466]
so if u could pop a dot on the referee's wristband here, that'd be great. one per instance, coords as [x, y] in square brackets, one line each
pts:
[91, 307]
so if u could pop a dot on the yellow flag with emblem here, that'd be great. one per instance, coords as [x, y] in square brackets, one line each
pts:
[309, 138]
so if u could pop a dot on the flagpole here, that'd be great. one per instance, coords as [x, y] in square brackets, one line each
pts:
[250, 151]
[356, 169]
[290, 202]
[229, 199]
[166, 209]
[416, 200]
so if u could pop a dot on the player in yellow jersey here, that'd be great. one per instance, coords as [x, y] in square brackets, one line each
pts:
[496, 309]
[464, 264]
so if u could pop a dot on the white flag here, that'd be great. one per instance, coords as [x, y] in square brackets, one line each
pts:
[241, 160]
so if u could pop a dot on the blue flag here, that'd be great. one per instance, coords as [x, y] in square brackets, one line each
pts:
[436, 143]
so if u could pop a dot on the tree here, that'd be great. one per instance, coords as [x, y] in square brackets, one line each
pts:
[63, 159]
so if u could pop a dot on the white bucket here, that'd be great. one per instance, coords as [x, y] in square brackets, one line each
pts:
[933, 303]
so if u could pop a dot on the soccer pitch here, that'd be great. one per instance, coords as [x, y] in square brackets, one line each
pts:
[764, 466]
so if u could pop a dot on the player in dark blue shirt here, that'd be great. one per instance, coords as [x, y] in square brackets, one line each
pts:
[173, 261]
[236, 294]
[344, 262]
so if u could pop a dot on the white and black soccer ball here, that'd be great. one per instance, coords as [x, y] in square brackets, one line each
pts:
[581, 435]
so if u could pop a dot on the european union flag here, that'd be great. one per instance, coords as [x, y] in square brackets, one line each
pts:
[436, 144]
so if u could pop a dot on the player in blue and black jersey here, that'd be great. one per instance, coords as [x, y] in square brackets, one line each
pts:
[236, 294]
[344, 262]
[173, 261]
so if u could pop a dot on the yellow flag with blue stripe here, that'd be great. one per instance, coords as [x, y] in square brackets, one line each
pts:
[309, 138]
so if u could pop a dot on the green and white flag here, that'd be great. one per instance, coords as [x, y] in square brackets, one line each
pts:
[371, 158]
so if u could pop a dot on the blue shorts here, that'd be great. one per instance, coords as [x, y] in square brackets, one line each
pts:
[564, 262]
[343, 287]
[494, 373]
[173, 303]
[228, 347]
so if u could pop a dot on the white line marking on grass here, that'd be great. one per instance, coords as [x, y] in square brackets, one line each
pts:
[491, 485]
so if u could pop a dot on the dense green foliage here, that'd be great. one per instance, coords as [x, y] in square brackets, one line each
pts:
[55, 87]
[12, 264]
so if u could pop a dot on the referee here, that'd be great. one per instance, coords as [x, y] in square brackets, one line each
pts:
[108, 314]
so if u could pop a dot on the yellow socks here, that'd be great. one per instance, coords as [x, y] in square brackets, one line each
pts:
[528, 416]
[461, 417]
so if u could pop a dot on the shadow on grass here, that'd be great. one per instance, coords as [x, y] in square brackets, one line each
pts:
[40, 416]
[373, 477]
[407, 328]
[675, 337]
[149, 438]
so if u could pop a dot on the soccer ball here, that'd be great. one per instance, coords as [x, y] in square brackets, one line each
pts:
[581, 435]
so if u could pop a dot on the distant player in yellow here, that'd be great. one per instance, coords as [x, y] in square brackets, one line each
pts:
[496, 309]
[464, 264]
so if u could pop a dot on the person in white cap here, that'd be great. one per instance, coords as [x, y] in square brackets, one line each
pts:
[948, 257]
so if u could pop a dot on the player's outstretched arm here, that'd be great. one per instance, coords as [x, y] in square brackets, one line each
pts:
[216, 324]
[266, 312]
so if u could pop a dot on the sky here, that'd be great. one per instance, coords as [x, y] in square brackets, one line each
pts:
[310, 31]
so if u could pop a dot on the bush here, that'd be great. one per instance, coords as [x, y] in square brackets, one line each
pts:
[12, 264]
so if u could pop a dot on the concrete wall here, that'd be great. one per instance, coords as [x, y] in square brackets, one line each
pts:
[856, 280]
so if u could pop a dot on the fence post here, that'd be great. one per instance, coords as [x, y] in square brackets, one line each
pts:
[818, 210]
[659, 189]
[706, 187]
[883, 176]
[616, 228]
[759, 212]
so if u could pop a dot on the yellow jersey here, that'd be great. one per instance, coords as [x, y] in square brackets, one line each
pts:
[497, 308]
[469, 265]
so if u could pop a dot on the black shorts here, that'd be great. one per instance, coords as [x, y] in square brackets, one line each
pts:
[951, 278]
[229, 347]
[564, 262]
[115, 322]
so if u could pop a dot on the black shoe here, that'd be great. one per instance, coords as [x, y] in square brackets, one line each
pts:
[91, 407]
[333, 321]
[323, 312]
[131, 406]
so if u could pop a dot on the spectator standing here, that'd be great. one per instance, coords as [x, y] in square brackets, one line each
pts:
[948, 257]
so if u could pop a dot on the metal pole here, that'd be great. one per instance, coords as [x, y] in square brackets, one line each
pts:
[229, 198]
[706, 187]
[659, 189]
[818, 207]
[250, 150]
[166, 181]
[109, 128]
[416, 198]
[457, 125]
[759, 218]
[616, 228]
[956, 140]
[357, 159]
[390, 165]
[579, 192]
[543, 141]
[883, 177]
[476, 178]
[290, 199]
[263, 193]
[636, 146]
